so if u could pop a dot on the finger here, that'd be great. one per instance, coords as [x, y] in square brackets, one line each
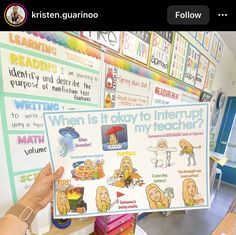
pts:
[47, 170]
[58, 173]
[44, 172]
[55, 176]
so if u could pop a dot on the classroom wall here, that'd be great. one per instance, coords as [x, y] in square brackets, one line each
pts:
[223, 68]
[225, 79]
[226, 82]
[225, 76]
[231, 89]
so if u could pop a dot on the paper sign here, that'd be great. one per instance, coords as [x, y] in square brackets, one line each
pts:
[219, 51]
[124, 89]
[210, 77]
[200, 36]
[109, 39]
[163, 95]
[161, 50]
[207, 39]
[214, 46]
[136, 45]
[178, 57]
[130, 160]
[201, 72]
[191, 65]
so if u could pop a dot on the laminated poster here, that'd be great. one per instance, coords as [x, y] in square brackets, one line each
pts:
[124, 89]
[136, 45]
[191, 65]
[210, 77]
[161, 50]
[109, 39]
[179, 57]
[201, 72]
[219, 51]
[207, 39]
[163, 95]
[214, 46]
[200, 36]
[130, 160]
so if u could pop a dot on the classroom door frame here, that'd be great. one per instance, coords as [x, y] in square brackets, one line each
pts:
[226, 125]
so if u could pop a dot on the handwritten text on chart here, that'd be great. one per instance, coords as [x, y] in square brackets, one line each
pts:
[135, 47]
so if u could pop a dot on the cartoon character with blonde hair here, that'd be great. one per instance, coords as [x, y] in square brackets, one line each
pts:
[63, 205]
[88, 163]
[156, 197]
[187, 148]
[103, 200]
[190, 193]
[126, 166]
[126, 174]
[113, 140]
[88, 168]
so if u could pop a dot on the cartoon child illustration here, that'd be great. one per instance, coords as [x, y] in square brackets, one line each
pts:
[156, 197]
[62, 203]
[103, 200]
[187, 148]
[190, 193]
[162, 152]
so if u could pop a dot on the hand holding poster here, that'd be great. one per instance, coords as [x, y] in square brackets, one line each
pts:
[130, 160]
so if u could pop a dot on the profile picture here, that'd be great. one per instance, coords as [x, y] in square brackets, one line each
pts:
[15, 14]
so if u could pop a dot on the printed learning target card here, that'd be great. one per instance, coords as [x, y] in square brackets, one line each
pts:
[130, 160]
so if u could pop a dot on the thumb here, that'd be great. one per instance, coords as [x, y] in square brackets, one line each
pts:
[58, 173]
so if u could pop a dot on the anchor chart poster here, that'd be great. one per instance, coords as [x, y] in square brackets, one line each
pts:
[130, 160]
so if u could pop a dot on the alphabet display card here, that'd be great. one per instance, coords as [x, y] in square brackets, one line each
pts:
[161, 50]
[179, 56]
[130, 160]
